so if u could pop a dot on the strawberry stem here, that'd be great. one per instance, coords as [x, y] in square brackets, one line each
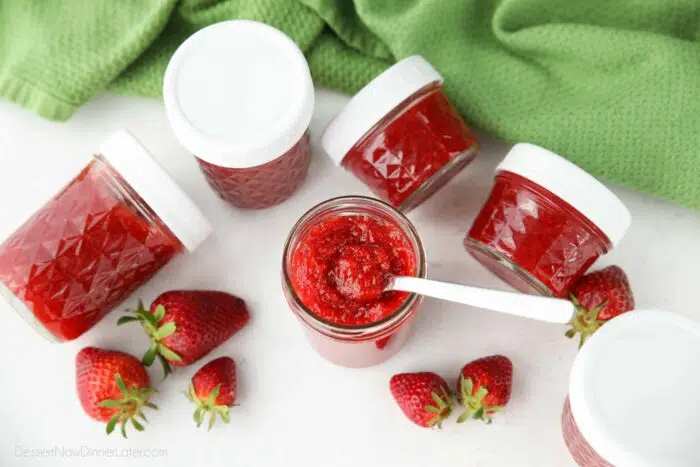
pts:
[128, 406]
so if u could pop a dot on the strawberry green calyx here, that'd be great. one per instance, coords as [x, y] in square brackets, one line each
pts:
[129, 407]
[442, 408]
[474, 404]
[585, 322]
[209, 406]
[157, 330]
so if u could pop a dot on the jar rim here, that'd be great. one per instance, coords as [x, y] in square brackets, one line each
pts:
[370, 330]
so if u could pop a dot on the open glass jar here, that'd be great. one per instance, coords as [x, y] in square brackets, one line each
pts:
[107, 232]
[338, 233]
[640, 367]
[239, 95]
[401, 136]
[545, 222]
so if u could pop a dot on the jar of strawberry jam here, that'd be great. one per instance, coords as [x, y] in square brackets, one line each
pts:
[633, 394]
[239, 95]
[545, 222]
[337, 261]
[401, 136]
[107, 232]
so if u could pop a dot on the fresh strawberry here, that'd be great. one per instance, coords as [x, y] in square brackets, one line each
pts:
[424, 397]
[599, 296]
[213, 390]
[113, 387]
[184, 325]
[484, 387]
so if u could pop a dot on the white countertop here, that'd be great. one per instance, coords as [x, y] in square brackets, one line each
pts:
[297, 409]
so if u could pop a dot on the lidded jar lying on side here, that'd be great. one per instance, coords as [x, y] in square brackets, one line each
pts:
[633, 394]
[337, 261]
[545, 222]
[401, 136]
[239, 96]
[107, 232]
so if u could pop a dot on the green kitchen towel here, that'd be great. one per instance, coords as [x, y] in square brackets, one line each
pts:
[613, 85]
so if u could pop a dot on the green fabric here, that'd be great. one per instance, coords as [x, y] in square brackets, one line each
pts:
[613, 85]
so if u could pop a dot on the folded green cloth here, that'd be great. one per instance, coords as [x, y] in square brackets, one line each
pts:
[612, 85]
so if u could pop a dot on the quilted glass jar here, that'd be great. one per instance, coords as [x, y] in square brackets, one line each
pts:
[633, 394]
[401, 136]
[239, 96]
[107, 232]
[369, 335]
[545, 223]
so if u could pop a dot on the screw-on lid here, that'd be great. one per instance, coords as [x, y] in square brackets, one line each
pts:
[374, 101]
[238, 94]
[635, 390]
[572, 184]
[156, 188]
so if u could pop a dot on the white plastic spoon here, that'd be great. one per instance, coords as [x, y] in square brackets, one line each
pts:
[549, 309]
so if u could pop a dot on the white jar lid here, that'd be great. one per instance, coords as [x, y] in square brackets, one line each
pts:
[156, 188]
[238, 94]
[635, 390]
[374, 101]
[572, 184]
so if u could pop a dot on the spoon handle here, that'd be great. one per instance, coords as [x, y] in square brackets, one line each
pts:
[549, 309]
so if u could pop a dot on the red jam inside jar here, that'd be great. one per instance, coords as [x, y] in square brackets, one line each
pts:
[415, 146]
[262, 186]
[339, 259]
[532, 238]
[84, 252]
[342, 265]
[239, 96]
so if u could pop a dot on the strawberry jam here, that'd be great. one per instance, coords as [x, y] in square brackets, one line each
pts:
[343, 264]
[529, 232]
[91, 246]
[401, 136]
[338, 261]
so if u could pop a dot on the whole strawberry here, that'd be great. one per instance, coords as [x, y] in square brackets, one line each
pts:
[484, 387]
[599, 296]
[213, 390]
[424, 397]
[184, 326]
[113, 387]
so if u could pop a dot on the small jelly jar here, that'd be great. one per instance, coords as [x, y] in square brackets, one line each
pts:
[369, 343]
[239, 95]
[107, 232]
[633, 393]
[401, 136]
[545, 222]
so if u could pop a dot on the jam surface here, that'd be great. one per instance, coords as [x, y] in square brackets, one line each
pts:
[82, 254]
[262, 186]
[539, 232]
[342, 264]
[404, 151]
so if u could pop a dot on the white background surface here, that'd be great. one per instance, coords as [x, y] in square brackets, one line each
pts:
[297, 409]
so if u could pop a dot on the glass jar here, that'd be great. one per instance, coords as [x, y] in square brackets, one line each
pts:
[107, 232]
[639, 367]
[401, 136]
[545, 222]
[348, 344]
[238, 94]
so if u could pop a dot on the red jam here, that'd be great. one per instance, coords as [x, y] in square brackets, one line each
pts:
[84, 252]
[414, 150]
[533, 239]
[342, 264]
[264, 185]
